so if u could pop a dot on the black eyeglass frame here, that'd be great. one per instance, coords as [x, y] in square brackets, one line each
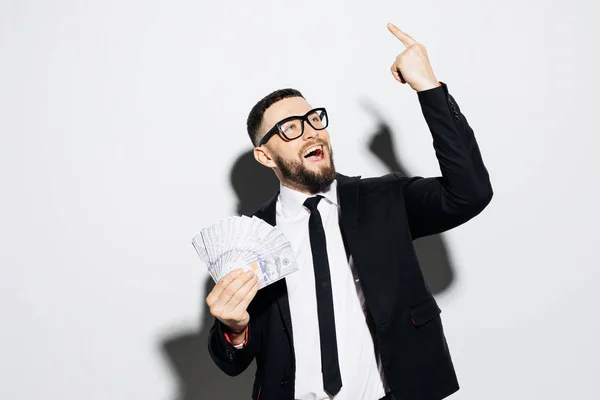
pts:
[303, 118]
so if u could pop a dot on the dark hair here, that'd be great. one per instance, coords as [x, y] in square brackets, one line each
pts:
[256, 114]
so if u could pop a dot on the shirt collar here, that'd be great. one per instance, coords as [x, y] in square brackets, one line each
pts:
[293, 201]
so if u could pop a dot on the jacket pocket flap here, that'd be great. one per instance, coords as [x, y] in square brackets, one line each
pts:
[424, 312]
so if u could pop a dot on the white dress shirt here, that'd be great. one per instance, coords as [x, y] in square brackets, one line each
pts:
[361, 376]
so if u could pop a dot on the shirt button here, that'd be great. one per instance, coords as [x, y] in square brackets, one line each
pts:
[229, 354]
[283, 382]
[283, 328]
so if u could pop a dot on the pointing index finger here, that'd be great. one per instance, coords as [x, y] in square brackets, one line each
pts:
[403, 37]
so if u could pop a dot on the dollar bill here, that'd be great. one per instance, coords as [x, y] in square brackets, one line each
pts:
[248, 243]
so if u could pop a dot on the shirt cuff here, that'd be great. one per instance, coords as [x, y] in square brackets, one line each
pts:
[241, 345]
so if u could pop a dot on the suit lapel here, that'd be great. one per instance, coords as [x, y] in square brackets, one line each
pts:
[348, 196]
[278, 289]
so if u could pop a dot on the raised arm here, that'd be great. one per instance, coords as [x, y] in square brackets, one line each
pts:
[437, 204]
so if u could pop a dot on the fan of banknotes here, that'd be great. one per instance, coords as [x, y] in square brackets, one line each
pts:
[248, 243]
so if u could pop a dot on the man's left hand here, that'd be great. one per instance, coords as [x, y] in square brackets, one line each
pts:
[412, 65]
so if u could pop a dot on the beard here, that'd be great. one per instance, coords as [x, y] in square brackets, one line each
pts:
[314, 181]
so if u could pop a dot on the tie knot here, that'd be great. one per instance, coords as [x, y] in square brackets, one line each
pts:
[312, 202]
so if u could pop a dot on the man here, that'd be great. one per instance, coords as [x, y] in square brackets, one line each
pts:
[357, 320]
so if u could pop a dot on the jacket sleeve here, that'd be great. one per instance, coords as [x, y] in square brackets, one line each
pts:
[437, 204]
[230, 360]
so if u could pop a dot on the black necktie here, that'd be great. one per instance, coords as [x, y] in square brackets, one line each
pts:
[332, 380]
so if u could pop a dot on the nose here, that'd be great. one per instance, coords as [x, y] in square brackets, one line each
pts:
[309, 132]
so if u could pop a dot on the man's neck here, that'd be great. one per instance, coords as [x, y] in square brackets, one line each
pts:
[298, 188]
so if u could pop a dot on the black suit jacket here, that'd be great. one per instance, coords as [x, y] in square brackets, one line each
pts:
[380, 218]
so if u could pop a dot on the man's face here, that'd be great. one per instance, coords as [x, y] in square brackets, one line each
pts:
[305, 163]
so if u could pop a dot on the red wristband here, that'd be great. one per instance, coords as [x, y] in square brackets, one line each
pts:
[241, 344]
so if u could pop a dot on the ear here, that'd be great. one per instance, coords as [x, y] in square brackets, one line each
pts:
[262, 155]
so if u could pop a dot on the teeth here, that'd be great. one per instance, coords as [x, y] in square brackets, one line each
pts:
[311, 149]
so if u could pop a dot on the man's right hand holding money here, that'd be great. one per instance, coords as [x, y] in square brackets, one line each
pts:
[229, 299]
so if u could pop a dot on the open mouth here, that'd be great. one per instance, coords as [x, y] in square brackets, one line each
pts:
[314, 153]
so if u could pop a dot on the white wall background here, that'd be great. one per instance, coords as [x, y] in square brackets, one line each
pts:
[120, 120]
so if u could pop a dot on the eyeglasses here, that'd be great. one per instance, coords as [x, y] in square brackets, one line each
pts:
[293, 127]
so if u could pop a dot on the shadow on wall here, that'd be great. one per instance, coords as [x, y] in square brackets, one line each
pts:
[198, 377]
[253, 183]
[431, 250]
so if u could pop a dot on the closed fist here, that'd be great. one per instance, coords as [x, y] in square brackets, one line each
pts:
[229, 299]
